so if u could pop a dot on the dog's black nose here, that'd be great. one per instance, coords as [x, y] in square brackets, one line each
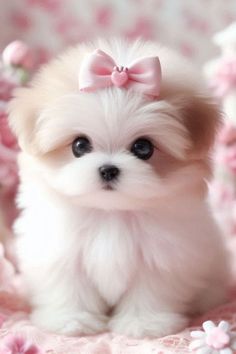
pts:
[109, 172]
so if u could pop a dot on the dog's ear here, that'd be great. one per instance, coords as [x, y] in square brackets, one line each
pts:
[202, 118]
[23, 112]
[54, 80]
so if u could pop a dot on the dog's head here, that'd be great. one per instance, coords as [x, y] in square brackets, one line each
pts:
[115, 147]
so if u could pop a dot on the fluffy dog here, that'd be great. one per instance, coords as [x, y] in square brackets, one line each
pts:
[115, 231]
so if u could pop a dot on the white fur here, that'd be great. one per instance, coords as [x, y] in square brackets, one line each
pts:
[139, 259]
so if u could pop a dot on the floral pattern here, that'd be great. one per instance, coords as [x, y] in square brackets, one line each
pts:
[214, 339]
[51, 25]
[18, 345]
[16, 65]
[221, 75]
[48, 26]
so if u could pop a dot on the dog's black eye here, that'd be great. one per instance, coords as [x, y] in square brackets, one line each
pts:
[81, 146]
[142, 148]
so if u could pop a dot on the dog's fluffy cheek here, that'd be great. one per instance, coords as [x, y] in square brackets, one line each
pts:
[140, 184]
[74, 179]
[138, 178]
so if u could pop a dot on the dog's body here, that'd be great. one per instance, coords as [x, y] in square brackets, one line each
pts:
[137, 257]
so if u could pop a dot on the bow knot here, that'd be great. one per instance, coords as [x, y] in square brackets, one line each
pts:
[99, 70]
[119, 76]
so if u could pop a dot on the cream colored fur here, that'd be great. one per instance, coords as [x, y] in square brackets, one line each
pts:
[137, 260]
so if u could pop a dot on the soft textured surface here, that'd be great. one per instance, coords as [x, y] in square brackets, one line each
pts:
[15, 322]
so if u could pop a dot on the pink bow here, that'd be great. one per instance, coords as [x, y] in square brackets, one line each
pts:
[100, 71]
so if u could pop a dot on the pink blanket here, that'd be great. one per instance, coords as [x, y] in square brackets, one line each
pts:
[15, 323]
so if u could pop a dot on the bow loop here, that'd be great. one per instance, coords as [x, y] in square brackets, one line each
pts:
[146, 74]
[99, 70]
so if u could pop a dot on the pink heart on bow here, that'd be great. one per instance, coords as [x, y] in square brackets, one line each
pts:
[119, 78]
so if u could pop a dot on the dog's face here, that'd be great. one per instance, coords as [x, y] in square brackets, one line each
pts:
[110, 147]
[113, 148]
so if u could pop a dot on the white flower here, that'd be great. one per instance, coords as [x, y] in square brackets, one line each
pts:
[214, 339]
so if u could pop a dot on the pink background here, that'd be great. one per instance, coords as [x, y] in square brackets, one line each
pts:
[50, 25]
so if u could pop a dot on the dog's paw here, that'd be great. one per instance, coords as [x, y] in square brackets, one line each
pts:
[150, 325]
[70, 325]
[84, 323]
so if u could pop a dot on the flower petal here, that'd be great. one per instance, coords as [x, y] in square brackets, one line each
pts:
[205, 350]
[226, 351]
[197, 334]
[224, 326]
[208, 326]
[197, 343]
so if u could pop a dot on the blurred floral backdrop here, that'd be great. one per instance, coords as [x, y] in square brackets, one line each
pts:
[50, 25]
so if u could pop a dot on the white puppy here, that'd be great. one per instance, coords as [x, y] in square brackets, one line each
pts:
[115, 231]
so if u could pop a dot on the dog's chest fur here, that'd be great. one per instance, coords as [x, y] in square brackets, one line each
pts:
[110, 254]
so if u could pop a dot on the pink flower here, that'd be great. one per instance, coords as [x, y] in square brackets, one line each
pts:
[103, 16]
[225, 78]
[230, 157]
[227, 134]
[43, 55]
[18, 53]
[142, 28]
[8, 153]
[217, 338]
[227, 140]
[18, 345]
[71, 29]
[21, 20]
[6, 136]
[49, 5]
[6, 88]
[194, 22]
[2, 319]
[7, 270]
[187, 49]
[213, 339]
